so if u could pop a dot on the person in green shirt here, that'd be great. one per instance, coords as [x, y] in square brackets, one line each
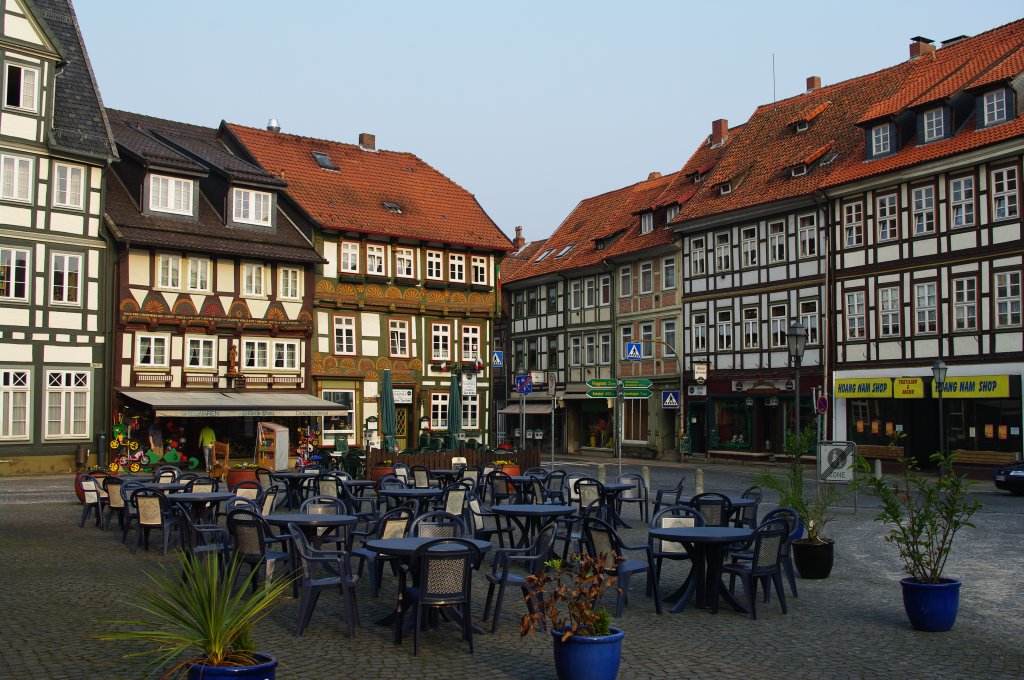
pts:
[206, 440]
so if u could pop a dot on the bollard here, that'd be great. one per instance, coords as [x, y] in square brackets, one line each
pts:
[878, 468]
[699, 482]
[645, 472]
[600, 473]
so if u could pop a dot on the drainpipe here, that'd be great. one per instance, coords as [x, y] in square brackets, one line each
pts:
[821, 200]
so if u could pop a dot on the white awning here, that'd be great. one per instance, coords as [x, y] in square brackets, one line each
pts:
[529, 409]
[213, 404]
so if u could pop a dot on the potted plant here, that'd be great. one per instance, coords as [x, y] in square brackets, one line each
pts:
[923, 514]
[241, 472]
[586, 646]
[815, 554]
[199, 620]
[508, 466]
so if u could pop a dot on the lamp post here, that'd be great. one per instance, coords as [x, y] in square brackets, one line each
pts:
[939, 369]
[521, 373]
[796, 339]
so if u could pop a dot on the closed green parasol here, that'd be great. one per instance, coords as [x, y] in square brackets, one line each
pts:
[454, 413]
[388, 420]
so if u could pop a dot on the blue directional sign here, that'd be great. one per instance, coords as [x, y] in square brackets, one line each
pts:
[497, 358]
[670, 398]
[633, 352]
[524, 384]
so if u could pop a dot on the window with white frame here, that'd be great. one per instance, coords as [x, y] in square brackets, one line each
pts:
[519, 355]
[151, 350]
[170, 195]
[590, 292]
[532, 302]
[606, 290]
[855, 315]
[67, 186]
[668, 334]
[288, 283]
[15, 178]
[349, 257]
[881, 140]
[375, 260]
[751, 328]
[575, 294]
[168, 268]
[256, 354]
[435, 265]
[470, 412]
[925, 311]
[21, 90]
[724, 325]
[723, 252]
[398, 338]
[671, 212]
[479, 266]
[699, 333]
[438, 410]
[809, 320]
[553, 352]
[14, 390]
[200, 353]
[1007, 299]
[853, 224]
[646, 277]
[778, 321]
[647, 336]
[604, 341]
[590, 350]
[934, 124]
[199, 274]
[924, 210]
[13, 274]
[286, 355]
[625, 335]
[456, 268]
[668, 272]
[889, 311]
[748, 246]
[698, 257]
[646, 223]
[252, 207]
[470, 342]
[961, 195]
[65, 279]
[67, 404]
[345, 335]
[440, 341]
[518, 306]
[625, 281]
[965, 304]
[252, 279]
[404, 258]
[886, 217]
[339, 426]
[807, 235]
[575, 350]
[776, 242]
[995, 107]
[1004, 193]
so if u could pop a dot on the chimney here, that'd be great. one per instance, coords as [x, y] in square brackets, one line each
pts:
[519, 241]
[813, 83]
[653, 175]
[719, 131]
[273, 125]
[920, 46]
[367, 142]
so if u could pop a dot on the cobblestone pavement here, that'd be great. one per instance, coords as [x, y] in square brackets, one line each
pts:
[61, 585]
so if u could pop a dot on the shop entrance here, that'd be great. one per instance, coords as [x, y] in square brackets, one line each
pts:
[402, 415]
[697, 427]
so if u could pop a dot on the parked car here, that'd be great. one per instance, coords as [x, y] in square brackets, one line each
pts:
[1010, 478]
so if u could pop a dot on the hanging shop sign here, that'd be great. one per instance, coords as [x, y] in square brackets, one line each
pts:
[974, 387]
[863, 388]
[908, 388]
[403, 395]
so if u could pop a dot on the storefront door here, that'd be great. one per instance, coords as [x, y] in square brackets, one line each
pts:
[697, 429]
[402, 427]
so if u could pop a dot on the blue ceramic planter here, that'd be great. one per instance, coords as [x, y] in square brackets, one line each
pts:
[585, 657]
[264, 670]
[931, 607]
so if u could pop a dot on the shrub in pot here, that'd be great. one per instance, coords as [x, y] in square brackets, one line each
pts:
[923, 515]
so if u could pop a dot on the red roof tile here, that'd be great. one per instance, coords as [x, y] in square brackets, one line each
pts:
[433, 207]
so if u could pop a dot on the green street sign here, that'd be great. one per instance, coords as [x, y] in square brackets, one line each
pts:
[636, 394]
[601, 382]
[601, 394]
[635, 382]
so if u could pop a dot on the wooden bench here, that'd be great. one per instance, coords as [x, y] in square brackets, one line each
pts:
[872, 451]
[984, 457]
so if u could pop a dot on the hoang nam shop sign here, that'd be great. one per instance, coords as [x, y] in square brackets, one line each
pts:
[864, 388]
[974, 387]
[966, 387]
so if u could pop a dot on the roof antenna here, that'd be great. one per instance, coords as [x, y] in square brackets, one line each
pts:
[773, 78]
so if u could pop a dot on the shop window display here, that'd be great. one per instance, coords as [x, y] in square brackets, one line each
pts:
[732, 425]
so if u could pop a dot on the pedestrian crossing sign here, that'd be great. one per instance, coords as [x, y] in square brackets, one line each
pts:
[633, 351]
[670, 398]
[497, 358]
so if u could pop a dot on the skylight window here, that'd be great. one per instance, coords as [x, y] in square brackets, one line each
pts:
[544, 254]
[565, 250]
[392, 207]
[324, 161]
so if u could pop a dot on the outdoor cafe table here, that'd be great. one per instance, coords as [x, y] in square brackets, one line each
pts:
[446, 476]
[704, 545]
[737, 504]
[293, 478]
[358, 486]
[611, 493]
[170, 487]
[414, 494]
[528, 517]
[199, 500]
[309, 523]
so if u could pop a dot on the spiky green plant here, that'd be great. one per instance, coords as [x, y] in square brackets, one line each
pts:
[199, 613]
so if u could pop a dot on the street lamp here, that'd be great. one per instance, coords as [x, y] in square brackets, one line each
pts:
[939, 369]
[796, 339]
[521, 373]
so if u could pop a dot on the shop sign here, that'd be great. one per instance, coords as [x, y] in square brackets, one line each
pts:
[538, 377]
[908, 388]
[974, 387]
[864, 388]
[403, 395]
[697, 390]
[700, 372]
[468, 385]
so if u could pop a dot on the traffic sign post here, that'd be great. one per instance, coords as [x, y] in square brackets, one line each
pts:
[633, 351]
[636, 382]
[636, 394]
[497, 358]
[670, 398]
[835, 461]
[602, 394]
[602, 382]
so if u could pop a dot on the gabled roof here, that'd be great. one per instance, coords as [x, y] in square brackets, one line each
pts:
[431, 207]
[512, 262]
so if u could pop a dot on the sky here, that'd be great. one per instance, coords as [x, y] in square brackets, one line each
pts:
[531, 106]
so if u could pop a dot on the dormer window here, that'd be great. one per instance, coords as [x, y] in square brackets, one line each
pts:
[698, 177]
[801, 126]
[671, 212]
[994, 107]
[798, 170]
[647, 223]
[725, 188]
[881, 140]
[934, 124]
[170, 195]
[252, 207]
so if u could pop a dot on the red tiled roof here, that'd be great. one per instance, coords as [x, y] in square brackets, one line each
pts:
[810, 114]
[512, 262]
[433, 207]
